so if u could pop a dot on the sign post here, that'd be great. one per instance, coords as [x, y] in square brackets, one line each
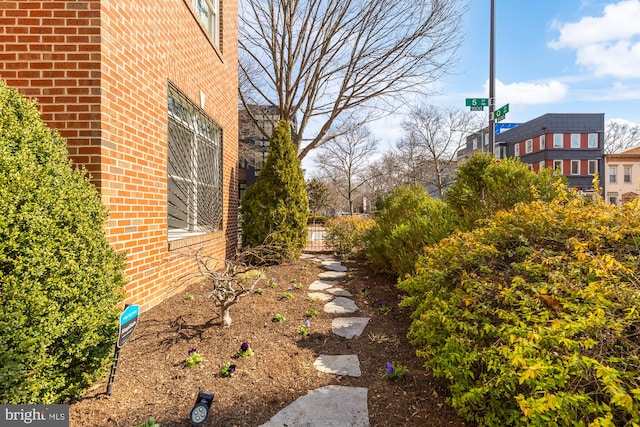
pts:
[128, 323]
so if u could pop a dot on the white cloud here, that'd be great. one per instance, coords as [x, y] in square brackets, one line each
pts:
[605, 44]
[530, 93]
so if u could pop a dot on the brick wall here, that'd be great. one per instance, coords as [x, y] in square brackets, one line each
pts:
[100, 70]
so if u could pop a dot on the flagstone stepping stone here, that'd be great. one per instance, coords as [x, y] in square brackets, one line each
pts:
[339, 292]
[339, 365]
[328, 406]
[334, 266]
[320, 285]
[349, 327]
[320, 296]
[332, 275]
[341, 305]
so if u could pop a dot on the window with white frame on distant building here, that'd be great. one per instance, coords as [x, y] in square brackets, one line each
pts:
[557, 165]
[575, 167]
[613, 174]
[486, 139]
[542, 142]
[475, 144]
[208, 12]
[593, 167]
[541, 165]
[627, 175]
[194, 169]
[516, 150]
[575, 140]
[558, 140]
[613, 198]
[528, 145]
[592, 140]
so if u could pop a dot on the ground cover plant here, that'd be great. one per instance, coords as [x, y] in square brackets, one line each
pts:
[534, 317]
[60, 280]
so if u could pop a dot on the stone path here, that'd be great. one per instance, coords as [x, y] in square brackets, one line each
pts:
[333, 405]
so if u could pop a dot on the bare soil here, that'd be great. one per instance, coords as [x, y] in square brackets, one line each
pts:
[152, 379]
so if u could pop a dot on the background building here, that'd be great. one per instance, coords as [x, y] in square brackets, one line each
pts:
[145, 93]
[622, 176]
[570, 143]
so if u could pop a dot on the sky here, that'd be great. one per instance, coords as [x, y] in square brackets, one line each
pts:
[551, 56]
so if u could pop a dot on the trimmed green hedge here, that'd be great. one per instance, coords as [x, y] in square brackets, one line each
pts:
[535, 317]
[59, 277]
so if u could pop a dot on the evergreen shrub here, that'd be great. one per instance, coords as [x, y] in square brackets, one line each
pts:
[275, 209]
[407, 220]
[345, 234]
[59, 277]
[535, 316]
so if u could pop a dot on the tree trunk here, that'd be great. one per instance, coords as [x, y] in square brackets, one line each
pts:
[226, 317]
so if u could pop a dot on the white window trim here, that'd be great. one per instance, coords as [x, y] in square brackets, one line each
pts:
[594, 170]
[210, 21]
[614, 175]
[516, 150]
[528, 146]
[542, 142]
[574, 162]
[558, 137]
[558, 162]
[575, 137]
[593, 137]
[541, 165]
[624, 175]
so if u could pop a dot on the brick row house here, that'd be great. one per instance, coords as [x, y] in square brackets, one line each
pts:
[570, 143]
[145, 93]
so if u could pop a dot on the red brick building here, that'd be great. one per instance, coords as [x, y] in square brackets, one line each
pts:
[145, 93]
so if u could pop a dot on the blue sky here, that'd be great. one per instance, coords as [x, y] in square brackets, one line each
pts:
[552, 56]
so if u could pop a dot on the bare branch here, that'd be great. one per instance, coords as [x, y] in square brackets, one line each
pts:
[317, 60]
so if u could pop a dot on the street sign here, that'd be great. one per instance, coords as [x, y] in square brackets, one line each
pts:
[477, 108]
[476, 102]
[501, 127]
[128, 323]
[501, 112]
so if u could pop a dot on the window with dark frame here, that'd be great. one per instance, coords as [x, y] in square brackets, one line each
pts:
[195, 185]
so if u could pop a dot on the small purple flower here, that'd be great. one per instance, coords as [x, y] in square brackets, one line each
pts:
[232, 369]
[390, 368]
[289, 288]
[191, 351]
[307, 323]
[381, 302]
[244, 346]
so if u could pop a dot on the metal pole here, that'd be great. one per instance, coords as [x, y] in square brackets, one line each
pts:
[114, 367]
[492, 77]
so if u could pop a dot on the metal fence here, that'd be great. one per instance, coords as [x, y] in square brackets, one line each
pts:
[315, 238]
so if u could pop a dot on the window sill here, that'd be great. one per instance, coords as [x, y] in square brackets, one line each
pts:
[183, 239]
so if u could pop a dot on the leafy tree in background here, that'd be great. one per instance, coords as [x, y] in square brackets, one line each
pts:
[275, 209]
[319, 195]
[59, 277]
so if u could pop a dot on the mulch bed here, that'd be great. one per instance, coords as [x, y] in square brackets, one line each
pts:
[152, 379]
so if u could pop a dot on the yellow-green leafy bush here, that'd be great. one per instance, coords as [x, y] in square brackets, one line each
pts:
[59, 278]
[407, 220]
[535, 317]
[345, 234]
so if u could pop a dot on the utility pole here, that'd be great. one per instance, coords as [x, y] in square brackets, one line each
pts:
[492, 71]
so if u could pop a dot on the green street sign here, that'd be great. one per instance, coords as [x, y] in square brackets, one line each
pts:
[477, 102]
[501, 112]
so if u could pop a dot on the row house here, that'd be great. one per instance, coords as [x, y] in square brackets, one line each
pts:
[622, 176]
[570, 143]
[145, 93]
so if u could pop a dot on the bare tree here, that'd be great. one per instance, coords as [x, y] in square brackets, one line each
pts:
[620, 136]
[344, 160]
[433, 137]
[332, 63]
